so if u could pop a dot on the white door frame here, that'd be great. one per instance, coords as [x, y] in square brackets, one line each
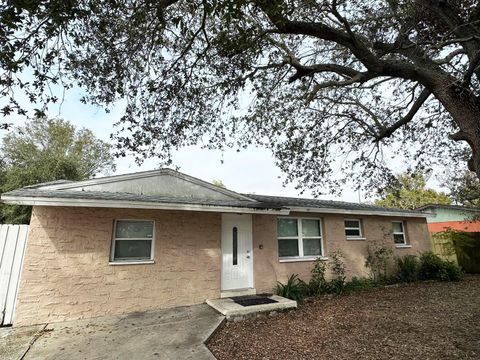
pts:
[240, 276]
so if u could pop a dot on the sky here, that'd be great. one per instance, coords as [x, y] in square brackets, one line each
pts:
[249, 171]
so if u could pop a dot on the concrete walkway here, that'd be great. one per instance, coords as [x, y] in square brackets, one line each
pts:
[177, 333]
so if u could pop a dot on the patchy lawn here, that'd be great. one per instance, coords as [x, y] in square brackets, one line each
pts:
[422, 321]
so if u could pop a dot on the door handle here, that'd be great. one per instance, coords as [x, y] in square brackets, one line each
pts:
[248, 254]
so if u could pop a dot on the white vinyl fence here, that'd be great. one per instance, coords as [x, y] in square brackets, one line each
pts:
[12, 246]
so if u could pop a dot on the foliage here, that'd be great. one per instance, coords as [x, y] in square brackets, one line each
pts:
[408, 267]
[377, 261]
[465, 246]
[318, 284]
[325, 85]
[408, 191]
[464, 188]
[337, 267]
[294, 289]
[219, 183]
[432, 267]
[45, 150]
[359, 284]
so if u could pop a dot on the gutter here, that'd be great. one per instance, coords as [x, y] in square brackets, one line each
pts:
[44, 201]
[358, 212]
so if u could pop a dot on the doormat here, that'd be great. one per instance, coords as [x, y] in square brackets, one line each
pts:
[252, 300]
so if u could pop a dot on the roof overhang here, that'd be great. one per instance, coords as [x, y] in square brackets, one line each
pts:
[52, 201]
[358, 212]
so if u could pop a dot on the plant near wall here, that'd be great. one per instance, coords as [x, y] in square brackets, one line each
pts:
[294, 289]
[337, 267]
[408, 267]
[377, 261]
[318, 284]
[432, 267]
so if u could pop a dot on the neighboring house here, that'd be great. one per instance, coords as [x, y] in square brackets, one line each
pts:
[442, 217]
[160, 239]
[462, 245]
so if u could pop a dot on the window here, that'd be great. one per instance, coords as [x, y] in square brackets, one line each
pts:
[353, 228]
[132, 240]
[299, 238]
[398, 233]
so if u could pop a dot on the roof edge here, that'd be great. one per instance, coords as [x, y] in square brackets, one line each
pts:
[145, 174]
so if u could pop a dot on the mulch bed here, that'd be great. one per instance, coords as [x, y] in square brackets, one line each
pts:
[431, 320]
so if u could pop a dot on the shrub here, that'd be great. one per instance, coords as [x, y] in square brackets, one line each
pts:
[337, 284]
[294, 289]
[377, 261]
[408, 267]
[358, 284]
[318, 284]
[432, 267]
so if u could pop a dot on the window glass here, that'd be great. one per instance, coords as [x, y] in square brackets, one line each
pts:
[352, 223]
[352, 232]
[287, 227]
[310, 227]
[235, 245]
[132, 249]
[399, 238]
[288, 247]
[133, 229]
[397, 227]
[312, 247]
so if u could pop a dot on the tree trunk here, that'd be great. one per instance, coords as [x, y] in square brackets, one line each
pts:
[464, 107]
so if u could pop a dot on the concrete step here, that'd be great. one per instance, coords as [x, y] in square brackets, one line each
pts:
[232, 310]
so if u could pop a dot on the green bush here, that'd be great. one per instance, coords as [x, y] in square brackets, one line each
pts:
[337, 284]
[408, 267]
[432, 267]
[318, 284]
[377, 261]
[294, 289]
[358, 284]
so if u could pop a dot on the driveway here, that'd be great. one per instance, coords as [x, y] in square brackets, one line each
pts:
[177, 333]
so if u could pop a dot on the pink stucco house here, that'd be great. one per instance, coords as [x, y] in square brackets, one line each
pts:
[160, 239]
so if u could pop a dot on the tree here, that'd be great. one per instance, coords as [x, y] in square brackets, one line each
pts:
[219, 183]
[409, 192]
[330, 86]
[464, 188]
[45, 150]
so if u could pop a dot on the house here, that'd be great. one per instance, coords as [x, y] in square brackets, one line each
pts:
[160, 239]
[461, 246]
[442, 217]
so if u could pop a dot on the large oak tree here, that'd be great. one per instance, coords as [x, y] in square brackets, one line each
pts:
[326, 85]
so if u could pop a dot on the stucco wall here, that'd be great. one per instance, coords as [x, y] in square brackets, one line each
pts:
[66, 274]
[376, 229]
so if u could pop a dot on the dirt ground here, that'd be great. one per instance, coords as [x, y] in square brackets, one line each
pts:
[432, 320]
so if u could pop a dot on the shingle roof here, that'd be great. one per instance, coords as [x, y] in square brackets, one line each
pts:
[288, 202]
[122, 196]
[444, 206]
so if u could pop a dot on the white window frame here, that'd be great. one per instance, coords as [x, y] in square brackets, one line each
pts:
[399, 233]
[114, 261]
[300, 238]
[359, 228]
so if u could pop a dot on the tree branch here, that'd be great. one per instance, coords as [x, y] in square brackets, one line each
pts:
[388, 131]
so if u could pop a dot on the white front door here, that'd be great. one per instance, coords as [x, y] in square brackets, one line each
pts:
[237, 261]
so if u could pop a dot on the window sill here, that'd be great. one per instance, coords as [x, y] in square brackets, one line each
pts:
[139, 262]
[302, 259]
[403, 246]
[353, 238]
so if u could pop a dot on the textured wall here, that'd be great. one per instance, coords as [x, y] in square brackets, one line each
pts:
[376, 229]
[66, 274]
